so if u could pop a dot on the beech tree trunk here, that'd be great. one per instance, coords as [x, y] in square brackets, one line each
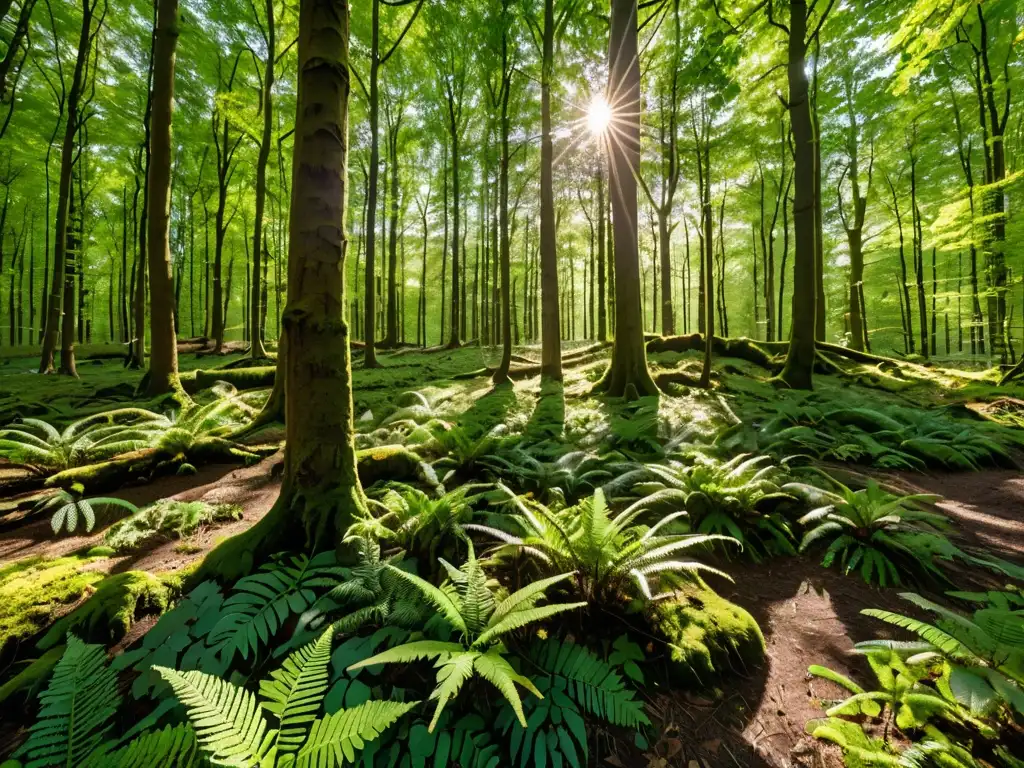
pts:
[163, 365]
[320, 494]
[257, 349]
[550, 331]
[799, 368]
[627, 375]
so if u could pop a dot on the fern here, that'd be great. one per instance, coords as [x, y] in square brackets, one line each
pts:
[888, 538]
[170, 747]
[260, 602]
[469, 606]
[608, 555]
[591, 683]
[68, 509]
[75, 709]
[232, 730]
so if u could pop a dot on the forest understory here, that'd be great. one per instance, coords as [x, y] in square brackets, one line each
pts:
[459, 436]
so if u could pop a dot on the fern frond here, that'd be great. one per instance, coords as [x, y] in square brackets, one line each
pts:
[227, 719]
[296, 690]
[335, 739]
[75, 709]
[443, 602]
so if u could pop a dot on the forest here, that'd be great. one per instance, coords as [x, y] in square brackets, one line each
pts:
[479, 383]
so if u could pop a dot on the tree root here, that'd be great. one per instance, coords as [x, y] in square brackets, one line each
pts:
[744, 349]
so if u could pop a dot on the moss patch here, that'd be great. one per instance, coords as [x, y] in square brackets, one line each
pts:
[167, 519]
[708, 636]
[32, 590]
[110, 612]
[387, 462]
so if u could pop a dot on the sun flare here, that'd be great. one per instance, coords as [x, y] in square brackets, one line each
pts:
[599, 116]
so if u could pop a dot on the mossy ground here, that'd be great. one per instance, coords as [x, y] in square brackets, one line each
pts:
[33, 590]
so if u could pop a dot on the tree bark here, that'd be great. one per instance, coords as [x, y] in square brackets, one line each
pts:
[627, 375]
[799, 368]
[257, 350]
[550, 332]
[321, 493]
[163, 365]
[64, 194]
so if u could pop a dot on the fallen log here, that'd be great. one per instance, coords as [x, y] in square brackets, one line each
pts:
[743, 349]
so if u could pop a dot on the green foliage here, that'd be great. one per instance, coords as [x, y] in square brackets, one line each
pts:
[231, 727]
[887, 537]
[68, 509]
[261, 602]
[606, 553]
[36, 443]
[738, 498]
[169, 519]
[178, 639]
[891, 437]
[75, 709]
[567, 477]
[418, 522]
[984, 652]
[110, 611]
[481, 618]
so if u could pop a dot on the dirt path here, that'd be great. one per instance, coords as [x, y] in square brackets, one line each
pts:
[251, 488]
[988, 506]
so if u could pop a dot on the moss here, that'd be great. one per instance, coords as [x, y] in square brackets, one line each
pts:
[166, 519]
[32, 590]
[110, 612]
[708, 636]
[387, 462]
[106, 475]
[242, 378]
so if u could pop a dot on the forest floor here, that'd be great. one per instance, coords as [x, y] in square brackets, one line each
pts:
[808, 614]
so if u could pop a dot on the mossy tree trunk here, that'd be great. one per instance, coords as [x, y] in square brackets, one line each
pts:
[321, 493]
[798, 371]
[163, 366]
[627, 376]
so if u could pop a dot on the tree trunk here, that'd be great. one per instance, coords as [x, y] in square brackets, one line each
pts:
[551, 342]
[257, 350]
[163, 366]
[391, 331]
[799, 368]
[501, 375]
[58, 286]
[320, 494]
[627, 375]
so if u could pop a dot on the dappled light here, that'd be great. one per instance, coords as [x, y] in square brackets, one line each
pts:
[511, 383]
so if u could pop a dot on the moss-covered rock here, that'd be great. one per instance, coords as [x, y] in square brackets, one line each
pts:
[110, 612]
[388, 462]
[34, 589]
[708, 636]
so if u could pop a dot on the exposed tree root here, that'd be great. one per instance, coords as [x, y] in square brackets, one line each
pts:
[744, 349]
[1012, 374]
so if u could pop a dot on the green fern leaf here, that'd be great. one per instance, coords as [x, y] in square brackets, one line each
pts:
[75, 709]
[296, 691]
[227, 719]
[334, 740]
[170, 747]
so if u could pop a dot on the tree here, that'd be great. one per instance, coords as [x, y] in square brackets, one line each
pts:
[320, 493]
[163, 365]
[62, 285]
[377, 61]
[627, 375]
[798, 370]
